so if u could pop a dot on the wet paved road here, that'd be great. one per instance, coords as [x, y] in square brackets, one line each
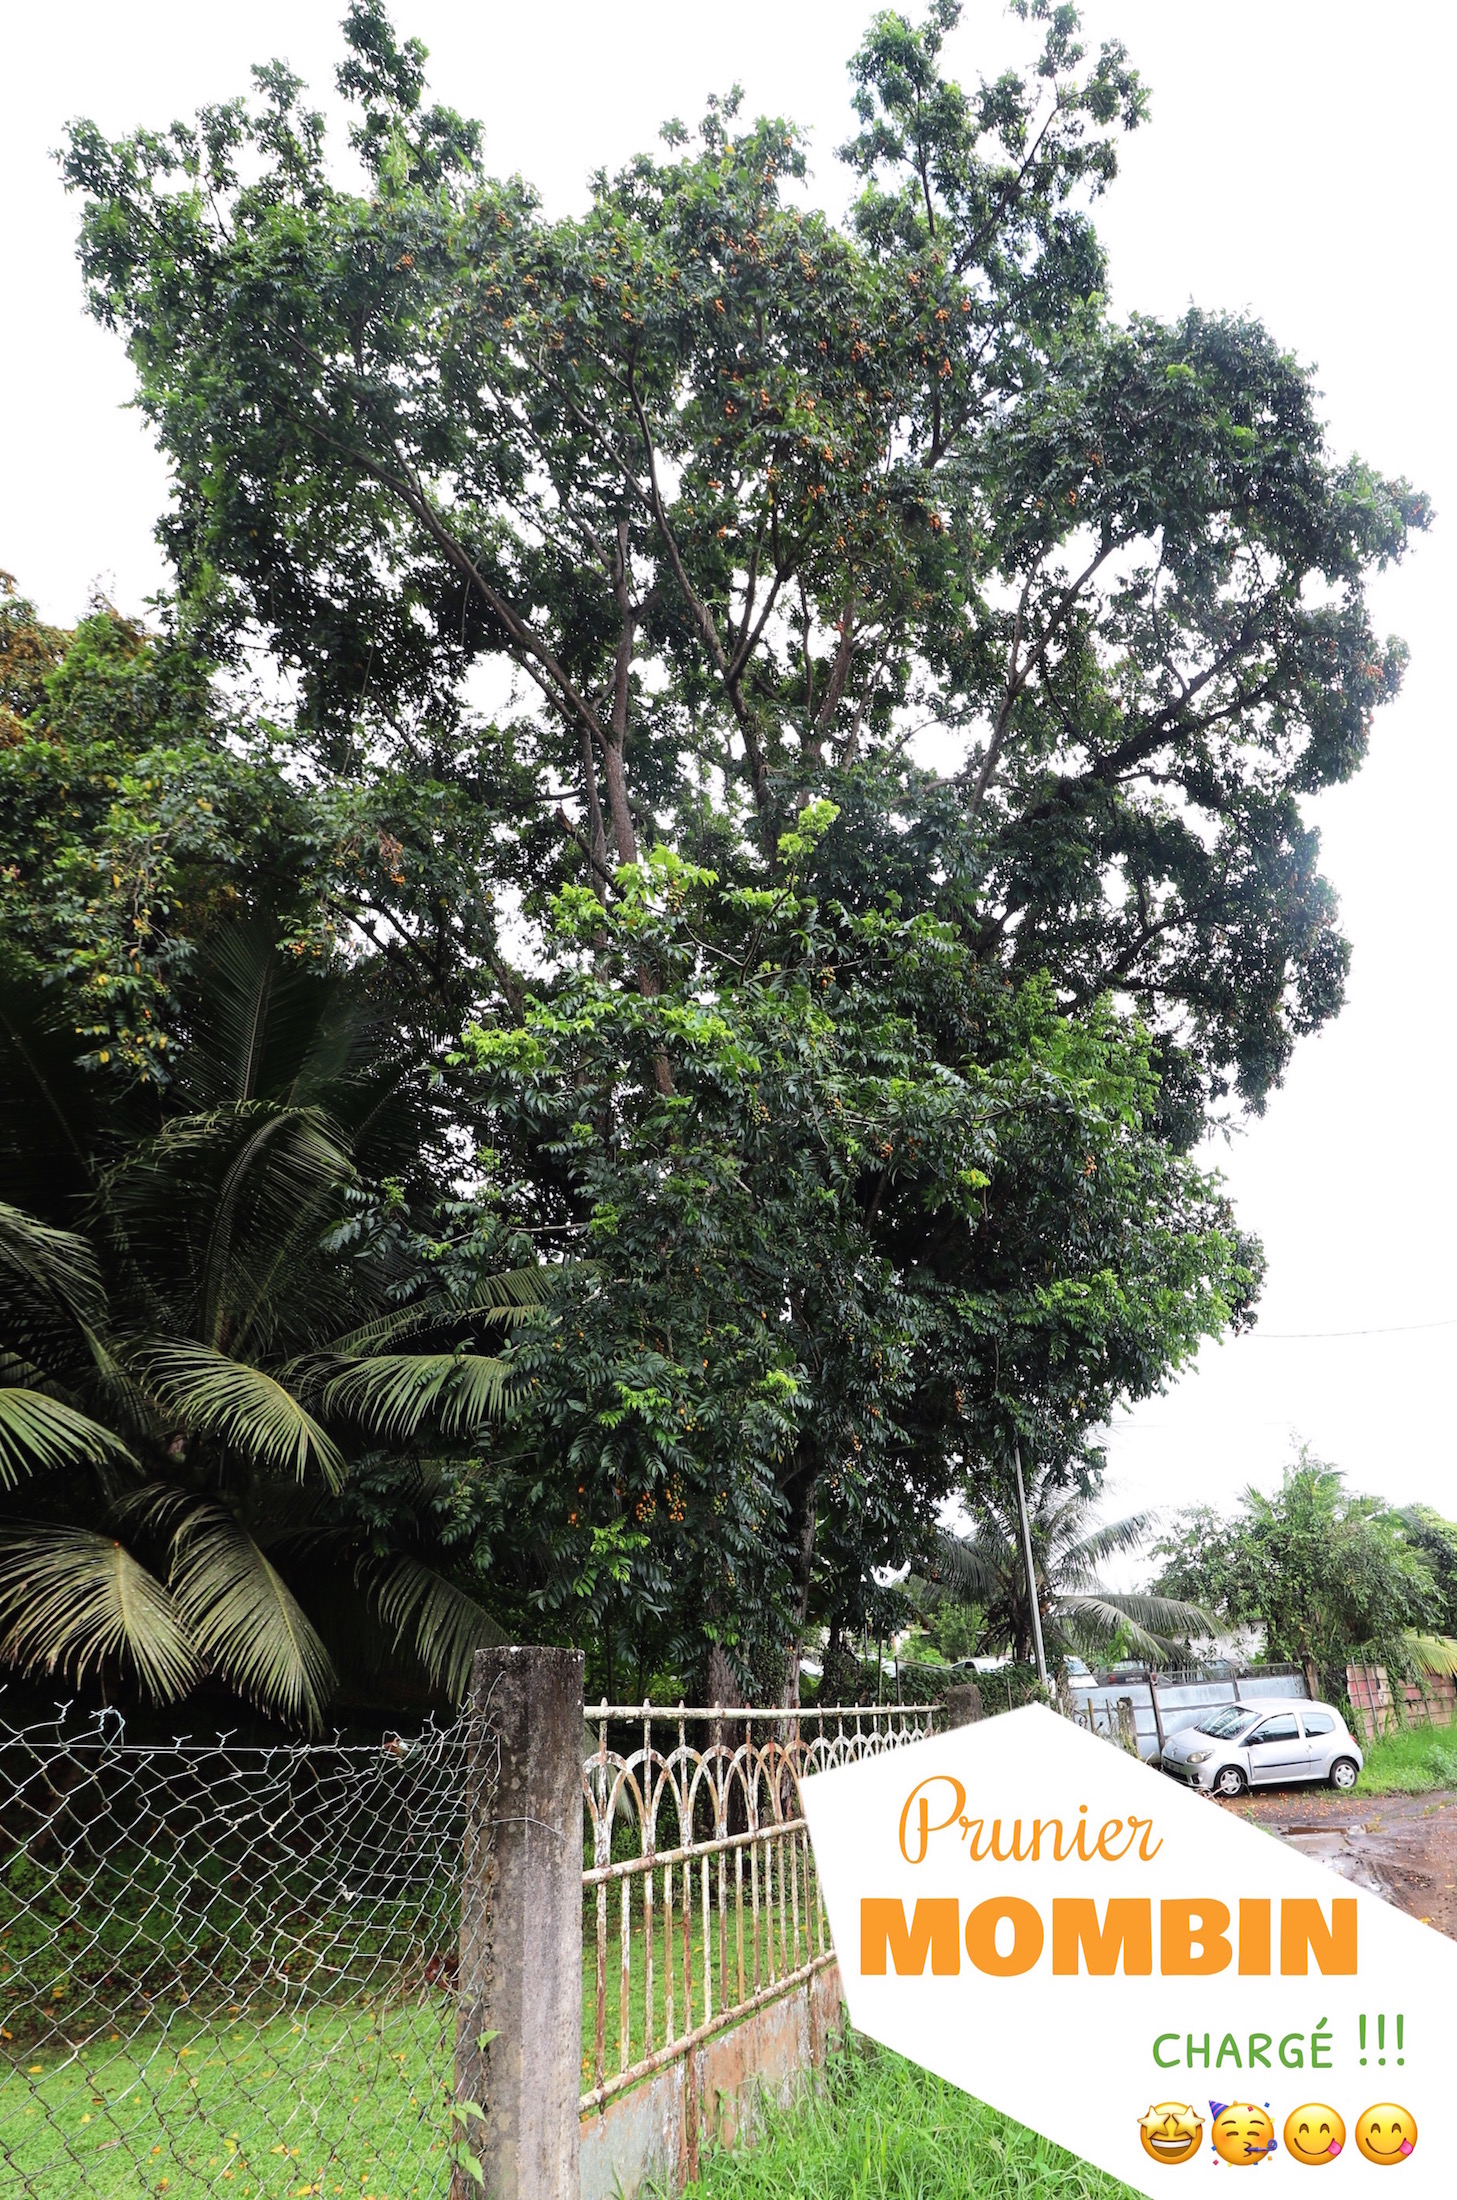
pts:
[1403, 1847]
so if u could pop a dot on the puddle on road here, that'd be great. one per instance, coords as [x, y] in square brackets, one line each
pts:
[1340, 1849]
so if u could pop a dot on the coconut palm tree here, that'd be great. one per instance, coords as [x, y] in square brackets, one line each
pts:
[197, 1376]
[1079, 1613]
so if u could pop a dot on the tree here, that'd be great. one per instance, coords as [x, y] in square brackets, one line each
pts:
[736, 496]
[237, 1424]
[142, 812]
[1078, 1613]
[885, 1212]
[1330, 1576]
[1435, 1542]
[719, 502]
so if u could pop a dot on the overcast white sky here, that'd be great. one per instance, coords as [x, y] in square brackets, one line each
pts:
[1297, 164]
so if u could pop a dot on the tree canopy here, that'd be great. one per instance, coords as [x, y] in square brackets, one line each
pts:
[799, 728]
[1327, 1574]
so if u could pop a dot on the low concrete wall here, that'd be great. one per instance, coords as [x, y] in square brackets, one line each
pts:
[655, 2131]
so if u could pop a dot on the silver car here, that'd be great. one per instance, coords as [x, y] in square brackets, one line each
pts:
[1236, 1746]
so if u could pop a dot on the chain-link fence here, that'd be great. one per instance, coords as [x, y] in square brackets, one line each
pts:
[227, 1969]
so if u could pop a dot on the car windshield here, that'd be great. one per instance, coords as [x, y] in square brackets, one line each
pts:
[1223, 1724]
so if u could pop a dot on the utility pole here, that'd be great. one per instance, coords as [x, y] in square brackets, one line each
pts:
[1031, 1569]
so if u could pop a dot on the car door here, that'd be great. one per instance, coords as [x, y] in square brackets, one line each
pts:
[1278, 1750]
[1324, 1741]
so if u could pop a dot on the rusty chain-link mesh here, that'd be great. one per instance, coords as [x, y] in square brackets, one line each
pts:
[227, 1969]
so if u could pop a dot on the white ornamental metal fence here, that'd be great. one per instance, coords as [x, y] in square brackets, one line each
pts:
[702, 1903]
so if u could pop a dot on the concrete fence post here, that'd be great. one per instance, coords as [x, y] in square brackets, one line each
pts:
[519, 1997]
[963, 1705]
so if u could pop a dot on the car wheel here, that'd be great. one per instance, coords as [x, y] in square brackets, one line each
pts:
[1230, 1781]
[1344, 1773]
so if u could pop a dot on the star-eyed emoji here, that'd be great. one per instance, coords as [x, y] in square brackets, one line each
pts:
[1242, 2133]
[1314, 2134]
[1171, 2131]
[1386, 2133]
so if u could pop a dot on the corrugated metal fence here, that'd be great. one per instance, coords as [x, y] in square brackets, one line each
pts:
[1165, 1705]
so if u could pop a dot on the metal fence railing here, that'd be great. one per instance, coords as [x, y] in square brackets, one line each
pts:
[702, 1903]
[226, 1969]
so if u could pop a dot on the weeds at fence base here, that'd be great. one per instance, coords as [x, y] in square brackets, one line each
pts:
[879, 2128]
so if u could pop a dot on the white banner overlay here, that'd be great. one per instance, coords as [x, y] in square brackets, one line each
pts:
[1145, 1978]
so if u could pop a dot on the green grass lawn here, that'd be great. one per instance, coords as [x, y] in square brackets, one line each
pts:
[881, 2129]
[316, 2100]
[1410, 1762]
[319, 2102]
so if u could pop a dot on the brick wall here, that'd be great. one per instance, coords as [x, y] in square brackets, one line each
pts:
[1380, 1705]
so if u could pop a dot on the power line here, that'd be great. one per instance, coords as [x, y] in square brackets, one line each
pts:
[1305, 1336]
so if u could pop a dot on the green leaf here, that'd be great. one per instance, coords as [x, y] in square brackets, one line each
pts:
[74, 1601]
[442, 1624]
[39, 1434]
[218, 1396]
[1433, 1653]
[394, 1394]
[245, 1619]
[53, 1263]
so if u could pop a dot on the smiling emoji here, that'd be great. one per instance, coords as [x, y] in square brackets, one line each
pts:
[1243, 2133]
[1386, 2133]
[1171, 2131]
[1314, 2134]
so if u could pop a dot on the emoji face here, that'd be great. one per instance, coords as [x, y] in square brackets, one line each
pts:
[1314, 2134]
[1242, 2134]
[1171, 2131]
[1386, 2133]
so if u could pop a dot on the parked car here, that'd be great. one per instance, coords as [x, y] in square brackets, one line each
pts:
[1240, 1745]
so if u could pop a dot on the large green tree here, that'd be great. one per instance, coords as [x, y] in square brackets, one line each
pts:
[887, 1211]
[614, 568]
[735, 497]
[1328, 1575]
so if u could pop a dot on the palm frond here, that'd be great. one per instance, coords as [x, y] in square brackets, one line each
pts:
[230, 1399]
[39, 1434]
[54, 1264]
[442, 1624]
[1167, 1616]
[229, 1206]
[1111, 1541]
[965, 1567]
[396, 1392]
[1432, 1653]
[246, 1620]
[74, 1601]
[513, 1296]
[293, 1166]
[1151, 1625]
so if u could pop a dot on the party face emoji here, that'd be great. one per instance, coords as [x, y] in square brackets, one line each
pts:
[1386, 2133]
[1314, 2134]
[1242, 2133]
[1171, 2131]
